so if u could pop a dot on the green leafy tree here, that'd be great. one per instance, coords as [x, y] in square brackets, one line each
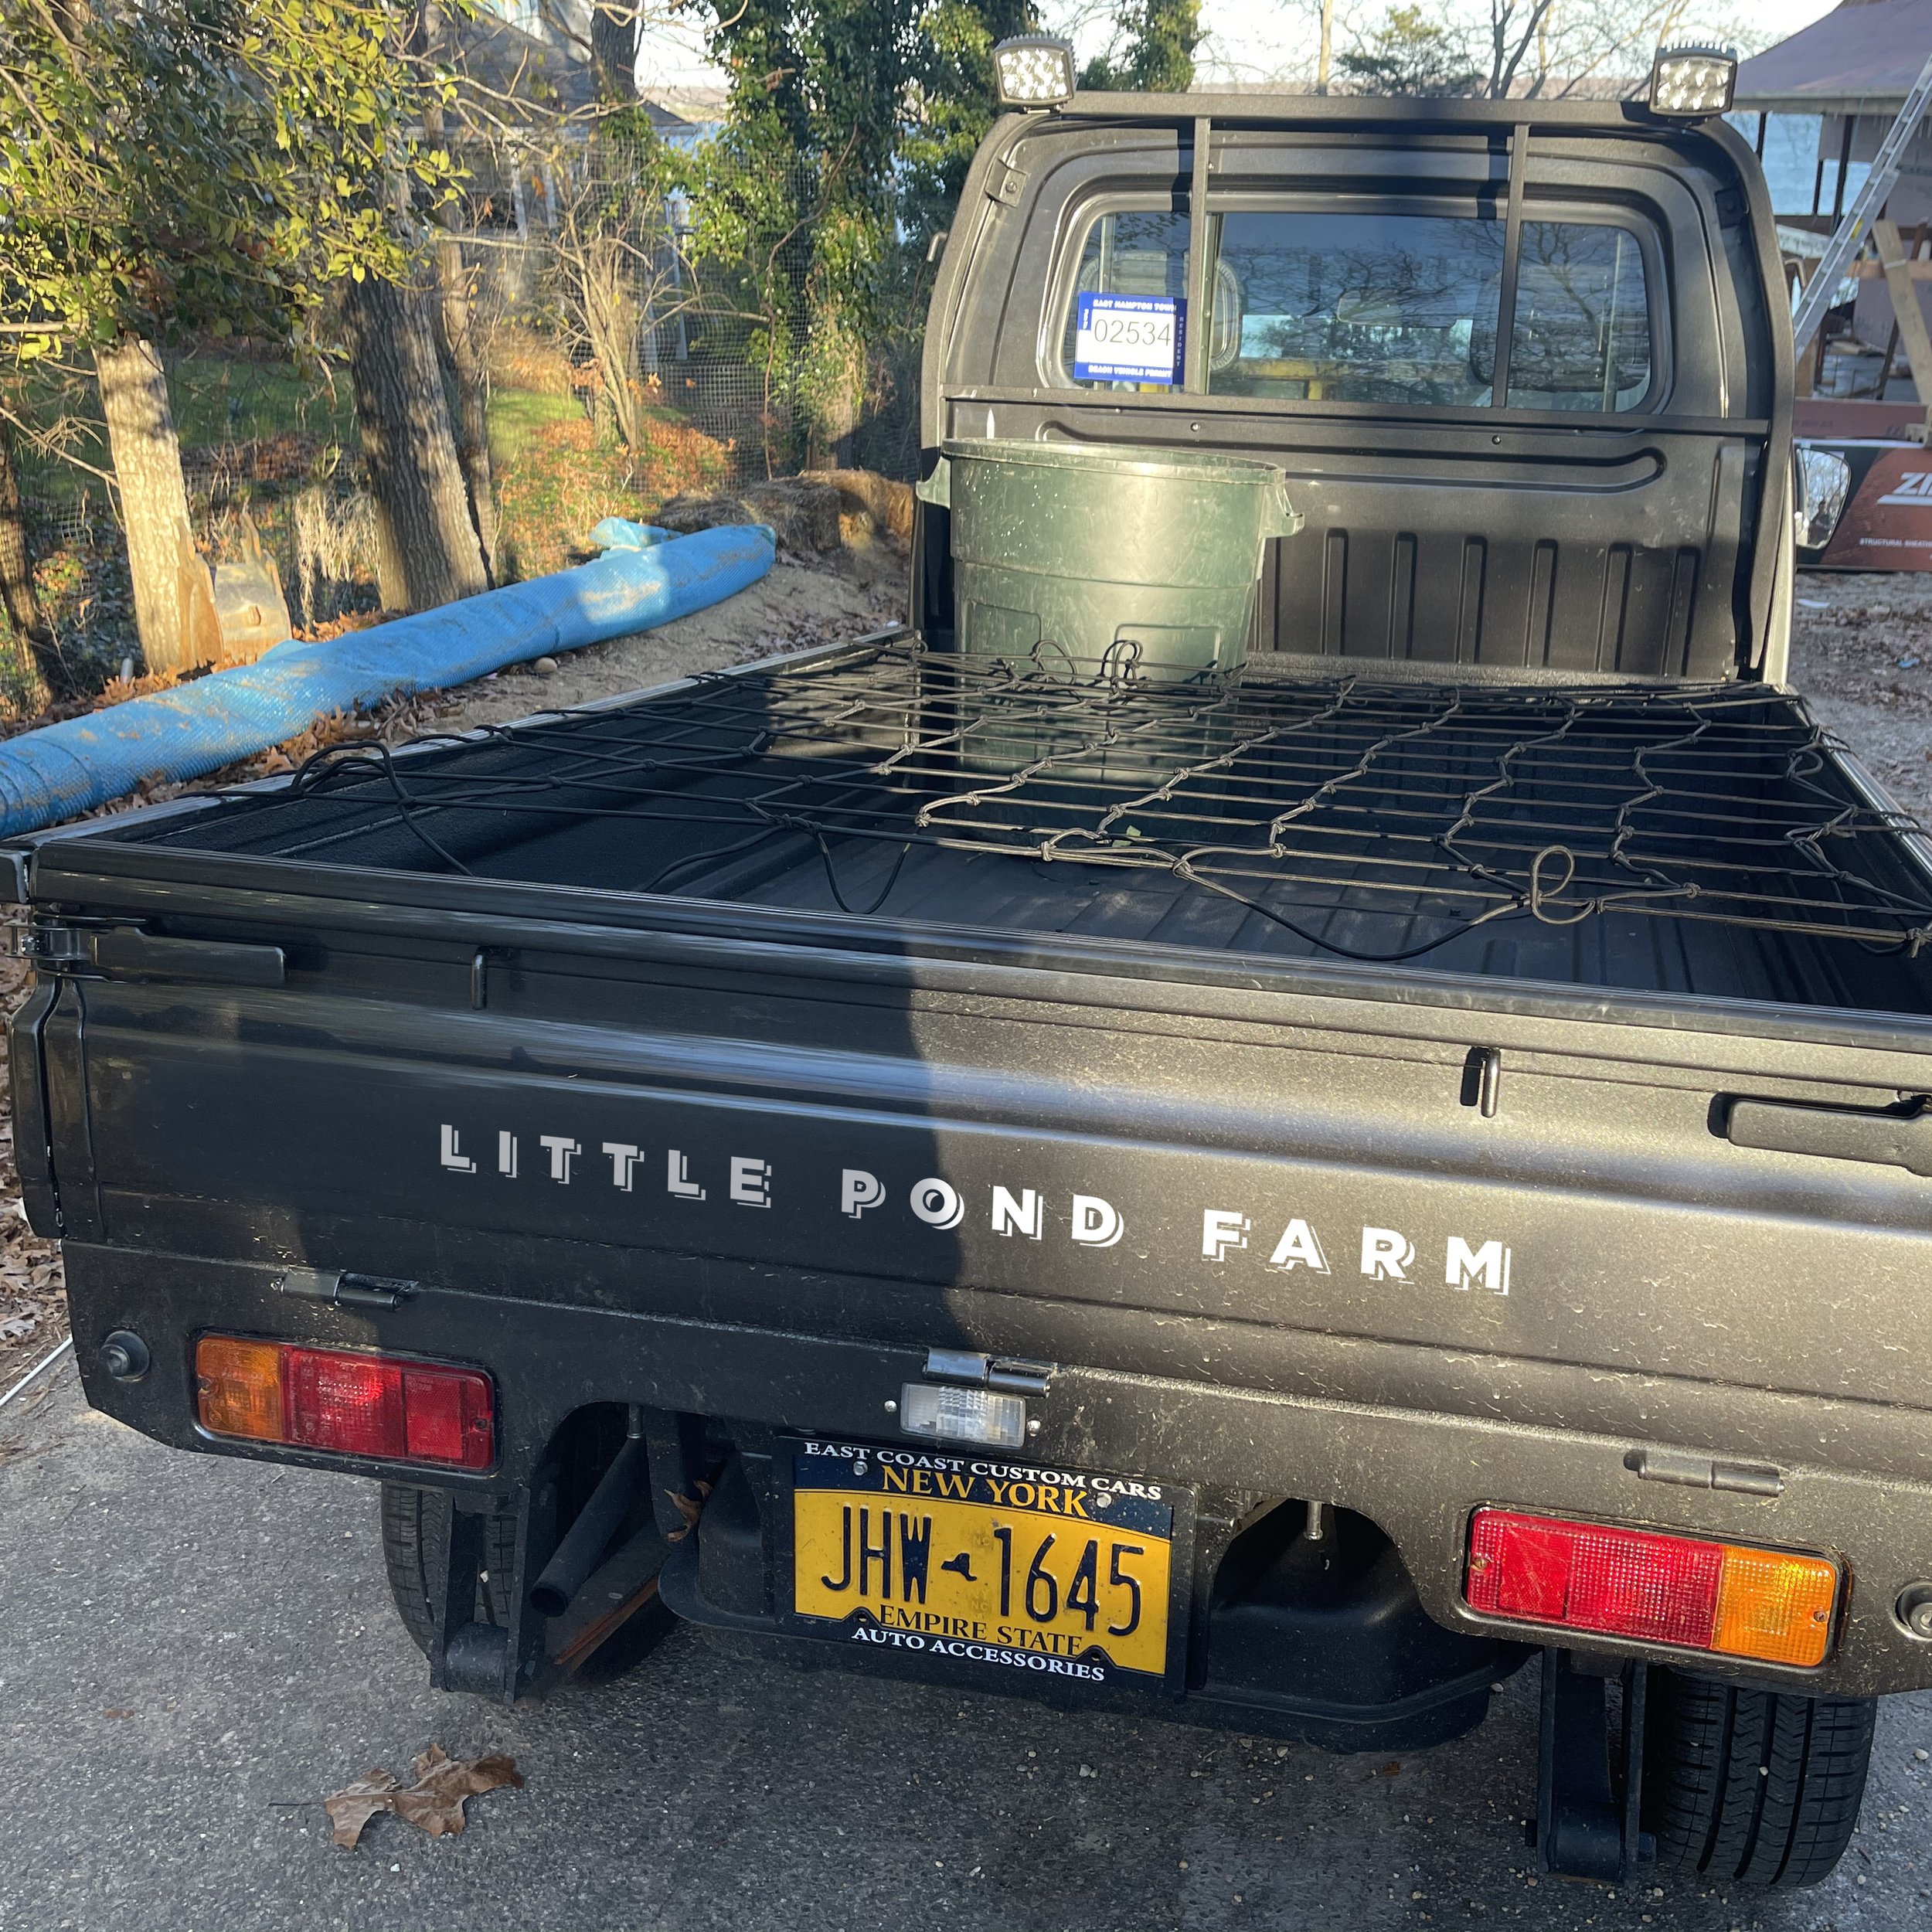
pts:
[802, 189]
[953, 103]
[1154, 53]
[750, 195]
[862, 56]
[1409, 53]
[170, 167]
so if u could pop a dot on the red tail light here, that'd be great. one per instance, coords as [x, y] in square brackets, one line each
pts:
[1737, 1601]
[359, 1405]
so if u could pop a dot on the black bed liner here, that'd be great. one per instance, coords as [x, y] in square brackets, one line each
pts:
[1668, 837]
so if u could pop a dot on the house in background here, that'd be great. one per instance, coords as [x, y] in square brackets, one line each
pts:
[1816, 106]
[687, 115]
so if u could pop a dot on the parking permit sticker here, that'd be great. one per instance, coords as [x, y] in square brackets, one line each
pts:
[1130, 338]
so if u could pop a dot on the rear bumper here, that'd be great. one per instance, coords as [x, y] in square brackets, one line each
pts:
[1417, 1473]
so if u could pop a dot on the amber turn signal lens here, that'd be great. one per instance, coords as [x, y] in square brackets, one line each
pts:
[238, 1388]
[1775, 1607]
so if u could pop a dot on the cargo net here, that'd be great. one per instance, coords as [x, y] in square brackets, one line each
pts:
[1376, 820]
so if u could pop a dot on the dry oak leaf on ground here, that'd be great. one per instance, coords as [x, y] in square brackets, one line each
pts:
[434, 1804]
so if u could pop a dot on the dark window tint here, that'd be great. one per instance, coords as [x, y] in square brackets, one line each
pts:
[1137, 252]
[1354, 308]
[1581, 339]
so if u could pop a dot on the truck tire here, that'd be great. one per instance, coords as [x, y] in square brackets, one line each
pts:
[411, 1518]
[1753, 1787]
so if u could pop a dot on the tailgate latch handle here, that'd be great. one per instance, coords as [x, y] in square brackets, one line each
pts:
[1888, 1137]
[1003, 1373]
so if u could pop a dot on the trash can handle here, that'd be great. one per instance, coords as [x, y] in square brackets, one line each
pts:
[937, 488]
[1280, 517]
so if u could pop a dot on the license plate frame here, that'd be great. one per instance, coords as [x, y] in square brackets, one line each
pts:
[859, 1466]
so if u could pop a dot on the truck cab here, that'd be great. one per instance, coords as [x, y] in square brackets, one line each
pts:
[1526, 365]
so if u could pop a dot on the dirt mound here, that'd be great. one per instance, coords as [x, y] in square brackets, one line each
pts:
[820, 511]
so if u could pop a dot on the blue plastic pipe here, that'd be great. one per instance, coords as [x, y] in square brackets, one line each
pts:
[645, 578]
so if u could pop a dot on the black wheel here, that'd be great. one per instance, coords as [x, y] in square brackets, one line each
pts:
[1753, 1787]
[412, 1517]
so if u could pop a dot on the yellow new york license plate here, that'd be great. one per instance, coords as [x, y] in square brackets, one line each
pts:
[971, 1558]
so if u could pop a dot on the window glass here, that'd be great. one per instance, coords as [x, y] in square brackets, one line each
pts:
[1134, 252]
[1582, 338]
[1401, 308]
[1354, 307]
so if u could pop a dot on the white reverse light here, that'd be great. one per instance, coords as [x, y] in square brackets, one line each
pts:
[962, 1415]
[1033, 70]
[1690, 83]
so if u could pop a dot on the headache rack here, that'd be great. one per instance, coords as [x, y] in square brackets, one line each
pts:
[1374, 819]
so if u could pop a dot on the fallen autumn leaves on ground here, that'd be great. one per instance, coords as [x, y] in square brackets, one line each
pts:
[434, 1804]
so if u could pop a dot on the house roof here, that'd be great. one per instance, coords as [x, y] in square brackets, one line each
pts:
[1861, 57]
[519, 77]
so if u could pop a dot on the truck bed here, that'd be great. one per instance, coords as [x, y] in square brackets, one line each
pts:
[1670, 838]
[538, 1023]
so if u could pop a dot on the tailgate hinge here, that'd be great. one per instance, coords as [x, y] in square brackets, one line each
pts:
[1003, 1373]
[343, 1290]
[48, 943]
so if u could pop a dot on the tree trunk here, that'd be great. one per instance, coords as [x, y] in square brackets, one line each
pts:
[174, 600]
[429, 550]
[456, 329]
[1324, 57]
[38, 658]
[456, 337]
[614, 46]
[610, 309]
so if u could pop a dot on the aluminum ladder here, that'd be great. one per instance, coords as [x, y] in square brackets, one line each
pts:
[1850, 235]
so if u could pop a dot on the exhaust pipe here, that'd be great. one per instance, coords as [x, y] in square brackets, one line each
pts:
[584, 1544]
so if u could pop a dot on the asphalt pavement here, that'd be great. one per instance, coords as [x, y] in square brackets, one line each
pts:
[195, 1651]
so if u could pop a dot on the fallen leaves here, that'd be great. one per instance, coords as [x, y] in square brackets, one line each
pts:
[33, 1313]
[434, 1804]
[689, 1508]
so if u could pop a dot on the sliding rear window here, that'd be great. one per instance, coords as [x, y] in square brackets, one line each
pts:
[1582, 338]
[1401, 307]
[1354, 308]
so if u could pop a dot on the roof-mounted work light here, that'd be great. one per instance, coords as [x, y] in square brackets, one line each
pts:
[1033, 70]
[1691, 83]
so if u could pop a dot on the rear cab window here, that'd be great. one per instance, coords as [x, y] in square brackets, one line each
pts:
[1354, 308]
[1375, 305]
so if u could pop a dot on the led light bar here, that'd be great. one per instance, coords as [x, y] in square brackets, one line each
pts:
[358, 1405]
[1735, 1601]
[1033, 70]
[1691, 83]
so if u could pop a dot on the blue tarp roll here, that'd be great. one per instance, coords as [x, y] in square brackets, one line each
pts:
[645, 578]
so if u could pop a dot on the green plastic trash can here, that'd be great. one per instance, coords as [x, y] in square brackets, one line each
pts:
[1084, 560]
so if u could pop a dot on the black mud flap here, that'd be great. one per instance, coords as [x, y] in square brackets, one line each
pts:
[1590, 1788]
